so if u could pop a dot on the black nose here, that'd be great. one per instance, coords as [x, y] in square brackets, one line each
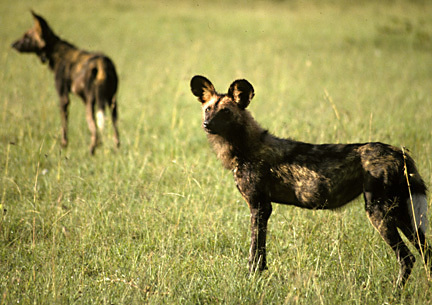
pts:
[208, 127]
[16, 45]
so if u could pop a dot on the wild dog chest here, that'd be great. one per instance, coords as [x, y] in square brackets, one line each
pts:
[252, 179]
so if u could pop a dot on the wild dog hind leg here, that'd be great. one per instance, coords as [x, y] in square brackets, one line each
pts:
[90, 116]
[114, 118]
[382, 215]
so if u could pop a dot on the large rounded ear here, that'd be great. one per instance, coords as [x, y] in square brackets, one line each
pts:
[202, 88]
[242, 92]
[42, 27]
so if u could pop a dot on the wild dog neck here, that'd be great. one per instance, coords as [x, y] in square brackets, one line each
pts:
[242, 142]
[53, 48]
[56, 54]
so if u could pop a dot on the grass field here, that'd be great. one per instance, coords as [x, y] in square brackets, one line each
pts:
[160, 221]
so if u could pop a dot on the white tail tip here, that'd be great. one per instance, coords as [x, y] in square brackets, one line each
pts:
[100, 119]
[418, 212]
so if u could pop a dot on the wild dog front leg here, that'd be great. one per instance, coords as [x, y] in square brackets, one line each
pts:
[62, 88]
[260, 213]
[64, 113]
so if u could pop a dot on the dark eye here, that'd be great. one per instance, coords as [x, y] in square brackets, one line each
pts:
[207, 109]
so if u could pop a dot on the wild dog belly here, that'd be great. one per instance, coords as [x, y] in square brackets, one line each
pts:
[316, 187]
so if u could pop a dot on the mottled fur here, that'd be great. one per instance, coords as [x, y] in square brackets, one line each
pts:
[91, 76]
[270, 169]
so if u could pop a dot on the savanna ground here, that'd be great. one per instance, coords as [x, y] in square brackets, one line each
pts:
[160, 221]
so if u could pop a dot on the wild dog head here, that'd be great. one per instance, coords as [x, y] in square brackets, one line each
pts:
[38, 39]
[222, 113]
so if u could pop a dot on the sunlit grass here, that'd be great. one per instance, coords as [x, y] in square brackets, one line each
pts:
[160, 220]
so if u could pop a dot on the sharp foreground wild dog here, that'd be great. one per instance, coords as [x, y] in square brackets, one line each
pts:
[269, 169]
[91, 76]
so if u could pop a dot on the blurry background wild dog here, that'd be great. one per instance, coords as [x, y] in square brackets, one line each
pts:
[160, 221]
[89, 75]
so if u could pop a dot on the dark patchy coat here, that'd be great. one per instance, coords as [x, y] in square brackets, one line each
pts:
[91, 76]
[270, 169]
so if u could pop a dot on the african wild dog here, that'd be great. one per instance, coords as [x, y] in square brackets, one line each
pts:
[269, 169]
[91, 76]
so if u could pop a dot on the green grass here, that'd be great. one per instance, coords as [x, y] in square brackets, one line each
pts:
[160, 221]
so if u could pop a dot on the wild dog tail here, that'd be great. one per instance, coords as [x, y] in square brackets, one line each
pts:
[418, 208]
[416, 200]
[103, 82]
[98, 77]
